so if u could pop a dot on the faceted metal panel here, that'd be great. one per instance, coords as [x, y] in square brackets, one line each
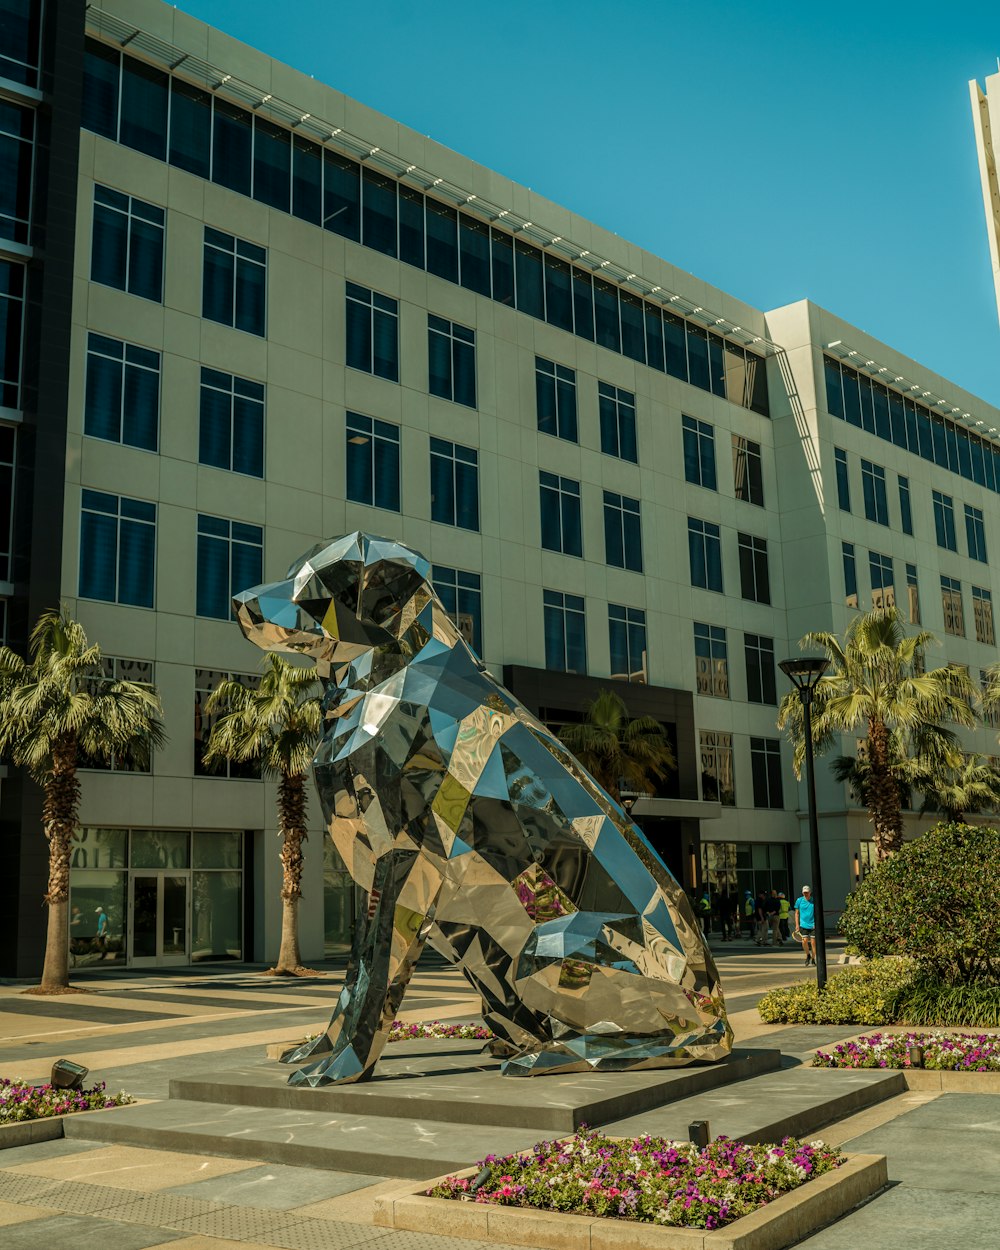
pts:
[471, 827]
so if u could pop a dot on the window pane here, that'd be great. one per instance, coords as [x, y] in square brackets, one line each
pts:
[502, 254]
[110, 247]
[218, 284]
[633, 329]
[250, 284]
[674, 345]
[341, 195]
[214, 439]
[378, 212]
[100, 88]
[104, 398]
[136, 564]
[233, 134]
[248, 436]
[411, 226]
[474, 248]
[583, 305]
[530, 294]
[442, 240]
[98, 556]
[190, 128]
[142, 408]
[144, 108]
[697, 344]
[213, 577]
[558, 295]
[307, 180]
[272, 165]
[145, 260]
[606, 321]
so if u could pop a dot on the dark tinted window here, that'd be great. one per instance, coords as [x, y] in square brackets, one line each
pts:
[474, 253]
[272, 165]
[101, 78]
[307, 180]
[233, 135]
[411, 226]
[530, 293]
[190, 128]
[144, 108]
[341, 195]
[442, 240]
[558, 294]
[378, 212]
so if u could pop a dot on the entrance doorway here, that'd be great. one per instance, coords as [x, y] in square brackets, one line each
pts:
[159, 916]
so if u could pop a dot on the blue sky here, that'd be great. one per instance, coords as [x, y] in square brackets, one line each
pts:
[779, 151]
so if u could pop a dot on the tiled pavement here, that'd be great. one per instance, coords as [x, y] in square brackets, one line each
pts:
[138, 1031]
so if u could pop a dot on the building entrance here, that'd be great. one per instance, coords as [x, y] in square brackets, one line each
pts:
[159, 918]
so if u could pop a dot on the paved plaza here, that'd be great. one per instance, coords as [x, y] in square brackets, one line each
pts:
[139, 1031]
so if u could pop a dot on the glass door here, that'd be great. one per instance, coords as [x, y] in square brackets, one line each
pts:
[158, 909]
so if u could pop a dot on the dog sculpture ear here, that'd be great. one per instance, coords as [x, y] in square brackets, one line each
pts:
[389, 586]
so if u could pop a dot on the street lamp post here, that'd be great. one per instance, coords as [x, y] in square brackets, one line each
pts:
[804, 674]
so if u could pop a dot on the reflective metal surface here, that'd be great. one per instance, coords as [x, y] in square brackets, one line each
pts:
[471, 827]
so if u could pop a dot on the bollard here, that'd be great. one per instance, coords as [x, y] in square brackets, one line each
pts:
[699, 1133]
[916, 1055]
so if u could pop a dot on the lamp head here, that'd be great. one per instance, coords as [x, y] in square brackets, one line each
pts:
[805, 671]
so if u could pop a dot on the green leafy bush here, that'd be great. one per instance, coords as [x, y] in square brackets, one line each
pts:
[861, 994]
[937, 901]
[927, 1002]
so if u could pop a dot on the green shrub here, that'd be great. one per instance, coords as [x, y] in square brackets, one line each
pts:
[930, 1003]
[862, 994]
[937, 901]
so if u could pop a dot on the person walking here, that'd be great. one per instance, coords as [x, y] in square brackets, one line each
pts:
[705, 911]
[784, 910]
[805, 923]
[724, 911]
[749, 910]
[760, 918]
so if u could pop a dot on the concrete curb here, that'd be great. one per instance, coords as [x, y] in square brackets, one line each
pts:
[777, 1225]
[49, 1128]
[943, 1081]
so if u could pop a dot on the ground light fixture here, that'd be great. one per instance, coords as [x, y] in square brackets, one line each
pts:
[804, 674]
[68, 1075]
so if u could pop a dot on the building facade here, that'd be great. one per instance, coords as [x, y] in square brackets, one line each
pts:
[242, 313]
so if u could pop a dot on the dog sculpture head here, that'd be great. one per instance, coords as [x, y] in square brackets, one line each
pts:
[353, 595]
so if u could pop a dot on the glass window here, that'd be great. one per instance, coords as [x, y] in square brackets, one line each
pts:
[307, 180]
[462, 596]
[843, 481]
[606, 319]
[122, 401]
[20, 27]
[718, 778]
[905, 510]
[558, 294]
[716, 364]
[705, 554]
[675, 345]
[272, 164]
[583, 305]
[117, 668]
[873, 487]
[101, 87]
[474, 254]
[622, 532]
[230, 559]
[127, 249]
[697, 347]
[850, 575]
[231, 432]
[502, 258]
[765, 766]
[834, 388]
[530, 284]
[17, 132]
[217, 850]
[234, 283]
[372, 462]
[699, 452]
[617, 414]
[143, 123]
[555, 398]
[912, 594]
[341, 195]
[633, 329]
[627, 641]
[451, 360]
[982, 611]
[206, 682]
[758, 653]
[951, 606]
[372, 332]
[442, 240]
[944, 520]
[654, 338]
[117, 549]
[454, 484]
[711, 661]
[11, 322]
[378, 212]
[8, 445]
[190, 128]
[560, 513]
[975, 533]
[232, 146]
[411, 226]
[755, 581]
[216, 913]
[99, 848]
[882, 580]
[565, 632]
[748, 471]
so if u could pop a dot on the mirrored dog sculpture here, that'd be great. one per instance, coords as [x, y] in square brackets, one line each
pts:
[471, 827]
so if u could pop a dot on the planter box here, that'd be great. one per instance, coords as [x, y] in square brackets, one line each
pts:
[777, 1225]
[49, 1128]
[932, 1079]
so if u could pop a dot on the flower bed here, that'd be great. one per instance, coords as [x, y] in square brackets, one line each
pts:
[646, 1179]
[400, 1032]
[943, 1052]
[20, 1101]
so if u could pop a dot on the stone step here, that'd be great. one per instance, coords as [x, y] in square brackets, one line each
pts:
[796, 1101]
[455, 1082]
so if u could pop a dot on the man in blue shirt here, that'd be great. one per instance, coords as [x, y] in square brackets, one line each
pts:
[805, 923]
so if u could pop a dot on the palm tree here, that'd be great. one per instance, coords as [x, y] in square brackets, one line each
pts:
[56, 708]
[877, 686]
[614, 748]
[277, 728]
[958, 783]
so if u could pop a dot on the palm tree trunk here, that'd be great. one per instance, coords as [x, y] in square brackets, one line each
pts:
[882, 793]
[60, 813]
[292, 822]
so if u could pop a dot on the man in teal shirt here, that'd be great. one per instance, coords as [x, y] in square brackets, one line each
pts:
[805, 923]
